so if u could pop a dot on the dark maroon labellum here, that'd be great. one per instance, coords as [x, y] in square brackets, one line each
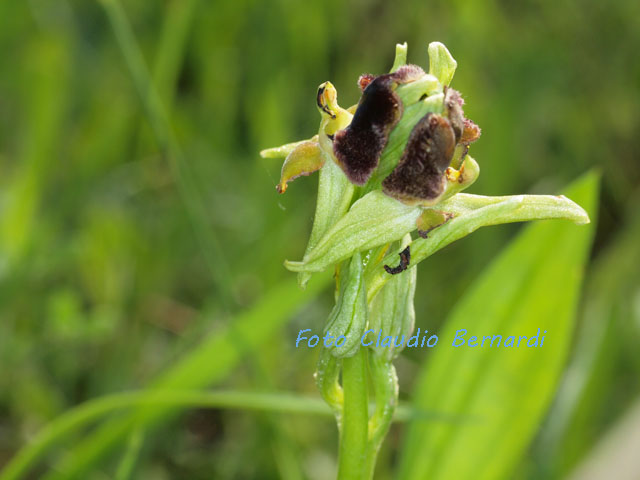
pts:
[358, 147]
[419, 176]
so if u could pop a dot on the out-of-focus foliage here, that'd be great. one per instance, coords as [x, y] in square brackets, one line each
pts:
[103, 283]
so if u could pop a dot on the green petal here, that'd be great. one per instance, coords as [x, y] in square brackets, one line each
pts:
[401, 56]
[305, 159]
[441, 64]
[284, 150]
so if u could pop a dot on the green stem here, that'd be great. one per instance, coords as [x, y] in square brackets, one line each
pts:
[355, 418]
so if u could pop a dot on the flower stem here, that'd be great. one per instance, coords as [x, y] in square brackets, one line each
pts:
[355, 419]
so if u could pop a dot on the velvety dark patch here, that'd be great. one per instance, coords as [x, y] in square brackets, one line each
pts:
[405, 258]
[358, 147]
[419, 175]
[453, 105]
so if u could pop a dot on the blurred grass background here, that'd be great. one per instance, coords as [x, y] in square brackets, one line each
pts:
[104, 283]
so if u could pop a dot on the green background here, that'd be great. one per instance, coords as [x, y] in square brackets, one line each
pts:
[104, 282]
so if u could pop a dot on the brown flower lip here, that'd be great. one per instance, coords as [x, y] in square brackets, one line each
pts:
[419, 175]
[359, 146]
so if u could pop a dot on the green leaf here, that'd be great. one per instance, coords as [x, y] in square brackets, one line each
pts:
[534, 284]
[605, 342]
[373, 220]
[206, 364]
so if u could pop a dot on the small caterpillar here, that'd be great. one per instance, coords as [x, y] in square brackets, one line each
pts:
[405, 258]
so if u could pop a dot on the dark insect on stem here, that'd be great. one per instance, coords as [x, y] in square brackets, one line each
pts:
[405, 258]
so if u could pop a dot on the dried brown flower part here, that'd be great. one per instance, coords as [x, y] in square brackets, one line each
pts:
[470, 133]
[430, 220]
[365, 79]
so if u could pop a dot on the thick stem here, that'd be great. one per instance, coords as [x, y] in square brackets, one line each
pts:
[354, 436]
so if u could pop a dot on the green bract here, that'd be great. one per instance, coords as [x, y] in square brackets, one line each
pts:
[373, 220]
[391, 313]
[349, 316]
